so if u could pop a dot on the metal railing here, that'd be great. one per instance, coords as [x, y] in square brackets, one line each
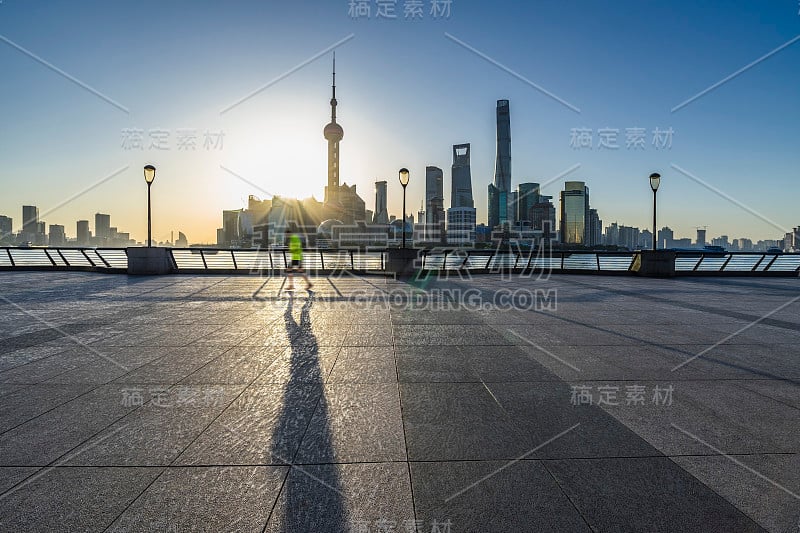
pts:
[93, 259]
[212, 260]
[686, 262]
[258, 260]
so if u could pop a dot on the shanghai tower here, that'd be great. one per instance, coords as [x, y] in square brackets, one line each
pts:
[502, 172]
[500, 190]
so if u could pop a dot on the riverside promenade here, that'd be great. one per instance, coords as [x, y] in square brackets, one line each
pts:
[574, 403]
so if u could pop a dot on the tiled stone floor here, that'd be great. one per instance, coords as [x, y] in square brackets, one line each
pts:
[188, 403]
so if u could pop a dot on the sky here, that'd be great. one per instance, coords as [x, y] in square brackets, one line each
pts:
[249, 84]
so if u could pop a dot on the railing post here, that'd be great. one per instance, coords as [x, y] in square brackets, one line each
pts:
[48, 256]
[10, 257]
[722, 268]
[285, 264]
[62, 257]
[774, 257]
[697, 265]
[597, 256]
[103, 259]
[444, 262]
[322, 260]
[203, 257]
[83, 251]
[760, 259]
[235, 267]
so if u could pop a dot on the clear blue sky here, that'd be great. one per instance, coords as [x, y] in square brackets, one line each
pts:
[407, 92]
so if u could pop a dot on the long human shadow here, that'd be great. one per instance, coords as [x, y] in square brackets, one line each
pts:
[312, 497]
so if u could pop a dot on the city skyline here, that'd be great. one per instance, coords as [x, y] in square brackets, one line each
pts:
[271, 139]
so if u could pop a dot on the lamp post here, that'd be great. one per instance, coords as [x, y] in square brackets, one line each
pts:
[149, 176]
[655, 181]
[404, 182]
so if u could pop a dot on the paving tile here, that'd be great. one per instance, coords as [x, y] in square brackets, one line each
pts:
[51, 435]
[152, 435]
[227, 498]
[349, 497]
[771, 500]
[11, 475]
[28, 402]
[473, 421]
[237, 365]
[372, 364]
[355, 423]
[721, 413]
[491, 496]
[645, 494]
[263, 426]
[50, 502]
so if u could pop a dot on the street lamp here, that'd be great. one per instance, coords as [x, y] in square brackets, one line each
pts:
[655, 181]
[404, 182]
[149, 176]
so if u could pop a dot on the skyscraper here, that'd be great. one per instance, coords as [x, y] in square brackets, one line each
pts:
[381, 215]
[502, 172]
[701, 237]
[57, 235]
[102, 226]
[595, 230]
[494, 206]
[30, 221]
[6, 227]
[83, 232]
[665, 237]
[461, 177]
[527, 197]
[434, 195]
[543, 217]
[333, 134]
[575, 213]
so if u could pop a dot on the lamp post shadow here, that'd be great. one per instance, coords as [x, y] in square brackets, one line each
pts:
[312, 498]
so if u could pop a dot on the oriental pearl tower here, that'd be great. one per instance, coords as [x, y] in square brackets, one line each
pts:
[333, 134]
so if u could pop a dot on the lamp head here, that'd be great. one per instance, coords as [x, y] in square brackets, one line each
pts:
[403, 177]
[655, 181]
[149, 173]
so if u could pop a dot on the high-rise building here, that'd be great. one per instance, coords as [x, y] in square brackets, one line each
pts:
[665, 238]
[495, 197]
[575, 213]
[381, 215]
[30, 221]
[543, 217]
[102, 226]
[461, 177]
[461, 223]
[502, 173]
[701, 238]
[6, 227]
[645, 240]
[230, 227]
[83, 233]
[57, 235]
[527, 197]
[595, 230]
[434, 195]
